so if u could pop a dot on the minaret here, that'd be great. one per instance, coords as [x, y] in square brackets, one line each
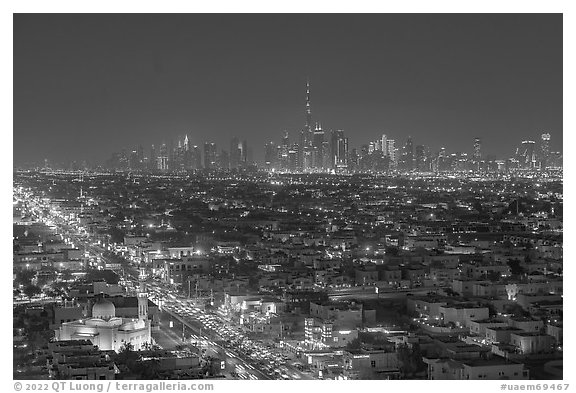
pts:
[142, 299]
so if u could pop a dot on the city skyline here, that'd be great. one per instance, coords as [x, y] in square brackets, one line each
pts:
[472, 76]
[317, 149]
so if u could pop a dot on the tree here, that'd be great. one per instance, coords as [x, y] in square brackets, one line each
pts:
[410, 359]
[24, 277]
[493, 275]
[149, 369]
[31, 291]
[116, 234]
[47, 276]
[515, 268]
[354, 344]
[127, 356]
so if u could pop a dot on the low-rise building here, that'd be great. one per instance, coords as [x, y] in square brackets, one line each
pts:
[463, 314]
[532, 342]
[371, 364]
[479, 369]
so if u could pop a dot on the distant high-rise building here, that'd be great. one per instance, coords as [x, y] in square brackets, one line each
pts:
[301, 144]
[133, 162]
[339, 149]
[408, 155]
[153, 161]
[124, 159]
[555, 160]
[308, 128]
[326, 159]
[171, 155]
[525, 155]
[245, 153]
[318, 146]
[270, 155]
[140, 157]
[286, 139]
[354, 161]
[392, 152]
[306, 149]
[371, 147]
[420, 158]
[249, 155]
[477, 150]
[196, 157]
[235, 153]
[163, 158]
[283, 151]
[210, 155]
[544, 150]
[292, 159]
[224, 160]
[384, 145]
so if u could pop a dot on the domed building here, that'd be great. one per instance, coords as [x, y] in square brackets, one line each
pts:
[103, 309]
[108, 331]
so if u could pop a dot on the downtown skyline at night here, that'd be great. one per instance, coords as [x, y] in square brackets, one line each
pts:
[443, 80]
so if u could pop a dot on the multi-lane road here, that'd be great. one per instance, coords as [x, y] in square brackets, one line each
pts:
[244, 358]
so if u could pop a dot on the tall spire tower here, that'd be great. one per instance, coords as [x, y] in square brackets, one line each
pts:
[309, 127]
[308, 109]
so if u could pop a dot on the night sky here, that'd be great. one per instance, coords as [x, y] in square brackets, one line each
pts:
[89, 85]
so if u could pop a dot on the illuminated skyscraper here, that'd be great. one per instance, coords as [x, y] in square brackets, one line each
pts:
[525, 155]
[318, 146]
[153, 160]
[244, 153]
[306, 150]
[140, 157]
[384, 144]
[477, 150]
[196, 157]
[186, 143]
[210, 155]
[420, 158]
[235, 153]
[544, 150]
[339, 149]
[292, 158]
[283, 152]
[308, 113]
[163, 158]
[270, 155]
[223, 160]
[371, 147]
[407, 159]
[391, 149]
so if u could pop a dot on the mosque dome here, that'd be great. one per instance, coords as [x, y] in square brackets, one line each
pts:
[103, 309]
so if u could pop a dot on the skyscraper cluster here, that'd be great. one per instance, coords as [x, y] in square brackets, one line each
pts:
[314, 149]
[184, 157]
[533, 155]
